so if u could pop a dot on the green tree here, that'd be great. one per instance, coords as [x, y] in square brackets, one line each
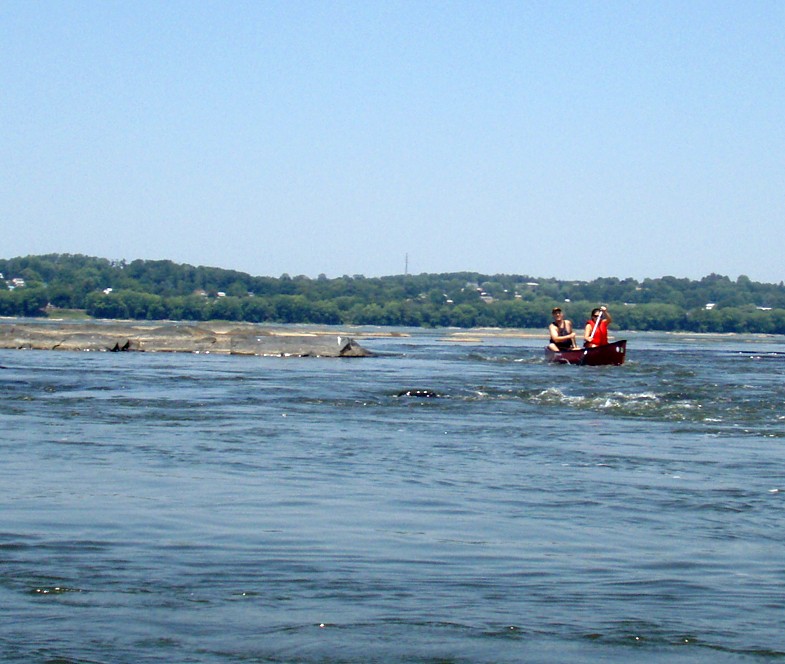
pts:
[226, 308]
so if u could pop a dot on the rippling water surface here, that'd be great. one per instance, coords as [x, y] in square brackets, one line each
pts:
[192, 508]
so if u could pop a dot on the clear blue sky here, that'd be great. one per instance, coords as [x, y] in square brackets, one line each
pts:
[565, 139]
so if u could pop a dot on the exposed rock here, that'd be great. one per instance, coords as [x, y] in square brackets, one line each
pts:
[298, 346]
[176, 338]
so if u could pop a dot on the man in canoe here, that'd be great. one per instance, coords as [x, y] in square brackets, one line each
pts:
[562, 335]
[596, 331]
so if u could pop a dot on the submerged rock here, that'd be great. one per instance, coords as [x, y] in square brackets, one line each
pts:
[423, 394]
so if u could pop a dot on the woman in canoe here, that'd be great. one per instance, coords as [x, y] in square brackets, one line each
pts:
[596, 331]
[562, 335]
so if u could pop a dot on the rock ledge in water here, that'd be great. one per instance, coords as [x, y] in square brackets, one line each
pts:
[177, 338]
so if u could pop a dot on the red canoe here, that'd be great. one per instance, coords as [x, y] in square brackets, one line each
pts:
[599, 355]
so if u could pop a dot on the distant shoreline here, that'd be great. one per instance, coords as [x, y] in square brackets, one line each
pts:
[40, 333]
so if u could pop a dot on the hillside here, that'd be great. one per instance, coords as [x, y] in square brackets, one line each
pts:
[162, 289]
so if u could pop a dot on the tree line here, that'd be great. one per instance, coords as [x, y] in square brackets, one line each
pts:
[162, 289]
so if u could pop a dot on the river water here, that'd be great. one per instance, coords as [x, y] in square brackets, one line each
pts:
[201, 508]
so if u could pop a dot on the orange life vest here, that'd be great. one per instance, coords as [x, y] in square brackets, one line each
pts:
[600, 337]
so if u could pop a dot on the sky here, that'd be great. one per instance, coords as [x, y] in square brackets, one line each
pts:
[553, 138]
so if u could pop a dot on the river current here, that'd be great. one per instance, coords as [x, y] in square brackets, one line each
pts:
[201, 508]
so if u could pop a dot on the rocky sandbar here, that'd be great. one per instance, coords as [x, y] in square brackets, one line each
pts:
[221, 338]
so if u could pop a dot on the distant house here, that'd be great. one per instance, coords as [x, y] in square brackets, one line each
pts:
[709, 306]
[18, 282]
